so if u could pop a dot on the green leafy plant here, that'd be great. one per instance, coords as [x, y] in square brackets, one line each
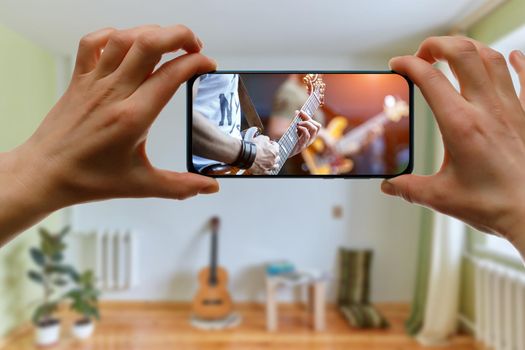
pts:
[51, 272]
[84, 297]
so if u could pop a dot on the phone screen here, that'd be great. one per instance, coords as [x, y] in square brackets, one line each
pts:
[300, 124]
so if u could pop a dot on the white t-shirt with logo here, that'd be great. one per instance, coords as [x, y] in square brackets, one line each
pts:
[217, 99]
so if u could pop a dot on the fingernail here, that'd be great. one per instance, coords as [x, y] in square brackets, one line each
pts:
[199, 41]
[392, 60]
[387, 187]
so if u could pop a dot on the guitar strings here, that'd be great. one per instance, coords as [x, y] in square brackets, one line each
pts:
[289, 139]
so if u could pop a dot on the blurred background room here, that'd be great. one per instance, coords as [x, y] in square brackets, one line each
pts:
[312, 263]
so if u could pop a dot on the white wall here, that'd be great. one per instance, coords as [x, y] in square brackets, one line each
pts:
[262, 219]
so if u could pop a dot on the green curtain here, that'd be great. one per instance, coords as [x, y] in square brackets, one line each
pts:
[415, 321]
[500, 22]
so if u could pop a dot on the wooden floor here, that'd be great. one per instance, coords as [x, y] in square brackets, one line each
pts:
[155, 326]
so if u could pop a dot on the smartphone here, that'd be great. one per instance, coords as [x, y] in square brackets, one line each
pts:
[328, 124]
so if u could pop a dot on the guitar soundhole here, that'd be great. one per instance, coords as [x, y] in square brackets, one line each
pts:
[211, 302]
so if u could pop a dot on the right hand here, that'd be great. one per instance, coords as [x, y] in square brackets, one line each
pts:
[483, 129]
[267, 156]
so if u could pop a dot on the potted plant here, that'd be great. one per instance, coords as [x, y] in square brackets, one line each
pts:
[52, 274]
[84, 301]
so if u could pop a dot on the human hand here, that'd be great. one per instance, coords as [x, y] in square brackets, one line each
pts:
[267, 156]
[92, 144]
[307, 130]
[483, 131]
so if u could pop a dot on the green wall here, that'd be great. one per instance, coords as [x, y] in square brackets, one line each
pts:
[499, 23]
[27, 92]
[502, 21]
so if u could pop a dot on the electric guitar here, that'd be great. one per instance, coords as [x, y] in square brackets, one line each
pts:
[316, 88]
[212, 300]
[322, 160]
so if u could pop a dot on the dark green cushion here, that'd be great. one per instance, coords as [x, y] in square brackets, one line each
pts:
[354, 290]
[363, 316]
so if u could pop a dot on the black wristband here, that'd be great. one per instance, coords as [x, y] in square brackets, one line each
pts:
[246, 156]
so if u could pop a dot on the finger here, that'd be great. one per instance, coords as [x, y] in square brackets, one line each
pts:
[304, 136]
[463, 57]
[412, 188]
[303, 133]
[169, 184]
[498, 71]
[303, 115]
[89, 50]
[156, 91]
[312, 128]
[517, 60]
[312, 132]
[435, 87]
[117, 47]
[317, 124]
[149, 47]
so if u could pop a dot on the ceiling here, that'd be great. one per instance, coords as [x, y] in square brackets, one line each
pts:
[248, 27]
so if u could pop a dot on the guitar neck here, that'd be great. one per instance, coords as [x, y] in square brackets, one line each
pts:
[213, 258]
[289, 139]
[357, 136]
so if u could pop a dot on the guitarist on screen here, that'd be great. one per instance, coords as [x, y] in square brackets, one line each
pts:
[216, 137]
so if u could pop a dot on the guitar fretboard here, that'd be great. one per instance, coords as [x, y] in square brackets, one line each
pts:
[213, 259]
[289, 139]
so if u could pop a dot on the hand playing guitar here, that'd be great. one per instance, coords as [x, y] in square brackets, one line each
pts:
[307, 129]
[267, 158]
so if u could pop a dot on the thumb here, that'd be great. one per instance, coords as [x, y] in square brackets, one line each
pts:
[517, 60]
[412, 188]
[170, 184]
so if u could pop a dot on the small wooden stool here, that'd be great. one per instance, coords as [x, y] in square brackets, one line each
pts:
[316, 297]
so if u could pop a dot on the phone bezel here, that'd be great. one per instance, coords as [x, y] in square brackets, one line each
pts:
[189, 123]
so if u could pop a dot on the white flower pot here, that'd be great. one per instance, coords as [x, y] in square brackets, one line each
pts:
[82, 329]
[47, 334]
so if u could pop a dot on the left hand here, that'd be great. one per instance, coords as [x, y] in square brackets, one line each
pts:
[307, 129]
[92, 144]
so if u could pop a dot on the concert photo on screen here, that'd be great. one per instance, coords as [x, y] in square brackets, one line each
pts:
[300, 124]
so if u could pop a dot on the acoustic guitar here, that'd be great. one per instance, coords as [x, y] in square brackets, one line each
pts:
[316, 88]
[322, 160]
[213, 301]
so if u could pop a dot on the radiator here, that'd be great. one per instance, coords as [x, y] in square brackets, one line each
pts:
[116, 259]
[500, 306]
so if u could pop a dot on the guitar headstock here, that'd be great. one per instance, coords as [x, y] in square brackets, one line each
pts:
[315, 85]
[214, 223]
[395, 109]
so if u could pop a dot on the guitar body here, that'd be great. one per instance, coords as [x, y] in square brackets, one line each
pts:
[317, 157]
[212, 301]
[322, 161]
